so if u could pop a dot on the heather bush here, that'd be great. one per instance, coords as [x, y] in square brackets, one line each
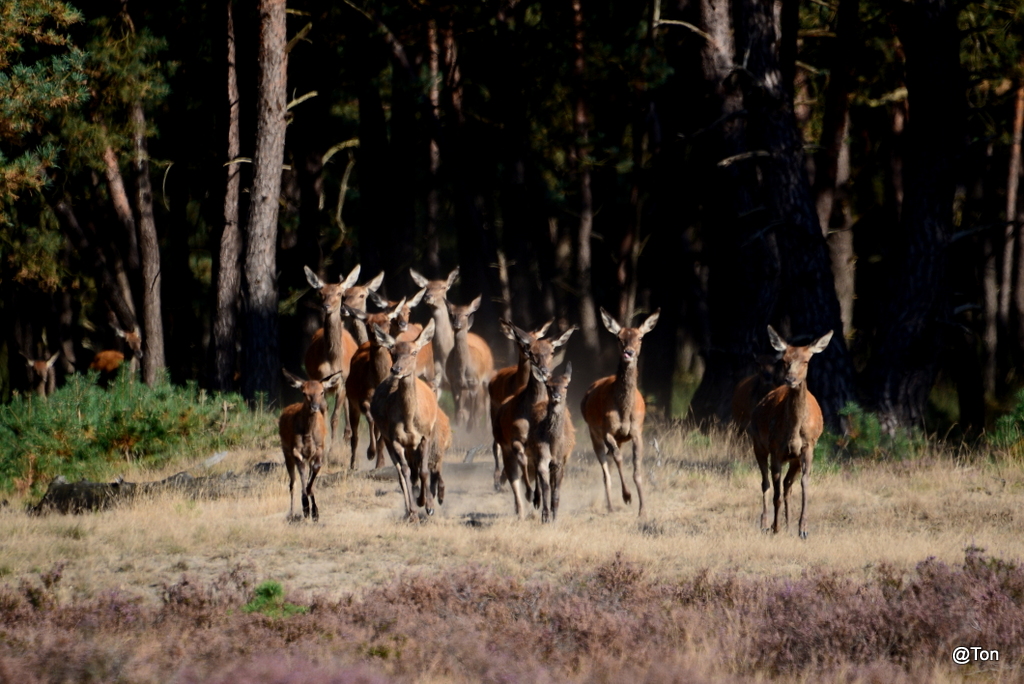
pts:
[84, 430]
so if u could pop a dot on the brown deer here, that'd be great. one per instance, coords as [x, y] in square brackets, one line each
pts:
[444, 336]
[370, 366]
[469, 366]
[403, 329]
[551, 444]
[614, 409]
[303, 435]
[108, 361]
[753, 388]
[332, 347]
[415, 430]
[785, 426]
[507, 382]
[519, 415]
[42, 377]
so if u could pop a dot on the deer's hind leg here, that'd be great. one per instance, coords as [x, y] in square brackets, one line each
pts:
[601, 451]
[762, 462]
[791, 473]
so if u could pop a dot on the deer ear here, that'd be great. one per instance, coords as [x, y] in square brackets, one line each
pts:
[293, 380]
[543, 330]
[383, 339]
[568, 372]
[778, 344]
[649, 323]
[474, 305]
[377, 300]
[506, 329]
[393, 313]
[332, 380]
[522, 337]
[561, 341]
[52, 360]
[451, 278]
[313, 279]
[120, 333]
[375, 283]
[819, 344]
[426, 336]
[417, 278]
[351, 278]
[610, 323]
[354, 313]
[416, 298]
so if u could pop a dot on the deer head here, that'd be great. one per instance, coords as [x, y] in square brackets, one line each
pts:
[462, 316]
[403, 354]
[795, 359]
[313, 391]
[558, 387]
[540, 353]
[331, 295]
[630, 339]
[437, 290]
[401, 321]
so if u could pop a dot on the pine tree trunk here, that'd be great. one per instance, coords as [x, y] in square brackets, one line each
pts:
[261, 335]
[432, 251]
[1012, 186]
[152, 318]
[229, 276]
[910, 337]
[580, 153]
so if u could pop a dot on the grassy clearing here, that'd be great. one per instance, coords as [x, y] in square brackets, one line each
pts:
[872, 522]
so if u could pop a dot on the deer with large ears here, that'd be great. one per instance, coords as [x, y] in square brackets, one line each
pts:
[444, 337]
[108, 361]
[414, 428]
[370, 366]
[551, 443]
[785, 426]
[469, 366]
[508, 382]
[42, 378]
[303, 435]
[332, 347]
[403, 329]
[614, 409]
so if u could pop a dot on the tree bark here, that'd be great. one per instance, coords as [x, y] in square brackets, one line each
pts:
[580, 153]
[261, 335]
[229, 276]
[152, 318]
[1012, 185]
[432, 249]
[123, 211]
[910, 337]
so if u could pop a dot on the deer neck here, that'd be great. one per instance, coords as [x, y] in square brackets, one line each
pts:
[407, 396]
[535, 392]
[444, 336]
[625, 386]
[380, 364]
[797, 406]
[358, 330]
[460, 351]
[333, 326]
[522, 376]
[554, 420]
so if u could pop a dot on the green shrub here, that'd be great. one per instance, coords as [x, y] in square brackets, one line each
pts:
[269, 600]
[83, 430]
[1008, 431]
[865, 438]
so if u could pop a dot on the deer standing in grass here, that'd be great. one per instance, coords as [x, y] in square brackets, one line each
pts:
[108, 361]
[332, 347]
[42, 378]
[784, 427]
[507, 382]
[614, 409]
[303, 432]
[469, 366]
[551, 444]
[414, 428]
[444, 337]
[753, 388]
[370, 366]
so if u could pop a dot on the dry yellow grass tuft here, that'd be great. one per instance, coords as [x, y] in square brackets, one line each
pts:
[704, 511]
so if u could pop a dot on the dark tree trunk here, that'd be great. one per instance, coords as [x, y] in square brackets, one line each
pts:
[910, 337]
[807, 299]
[261, 335]
[229, 275]
[432, 246]
[152, 317]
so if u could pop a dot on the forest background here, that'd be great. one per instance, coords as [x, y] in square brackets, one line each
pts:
[823, 164]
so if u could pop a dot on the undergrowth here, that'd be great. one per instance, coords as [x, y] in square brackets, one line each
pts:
[269, 601]
[86, 431]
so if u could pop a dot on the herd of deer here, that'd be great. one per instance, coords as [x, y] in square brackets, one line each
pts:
[392, 371]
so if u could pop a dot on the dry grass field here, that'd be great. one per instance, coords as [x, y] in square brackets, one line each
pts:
[699, 551]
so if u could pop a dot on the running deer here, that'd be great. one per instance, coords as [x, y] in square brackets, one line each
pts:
[414, 428]
[551, 444]
[469, 366]
[753, 388]
[108, 361]
[444, 336]
[42, 377]
[332, 347]
[508, 382]
[614, 409]
[370, 366]
[785, 426]
[519, 415]
[303, 435]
